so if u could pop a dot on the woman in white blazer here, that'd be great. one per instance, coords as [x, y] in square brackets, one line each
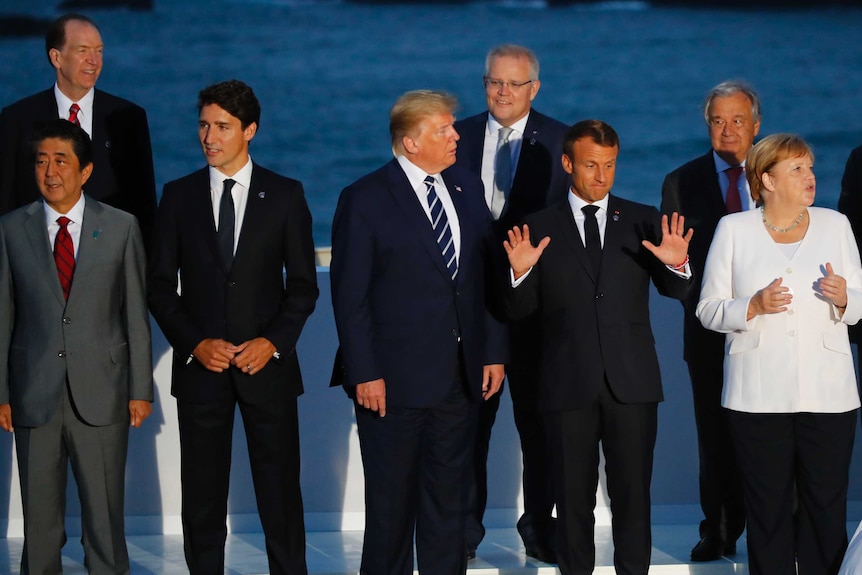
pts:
[783, 282]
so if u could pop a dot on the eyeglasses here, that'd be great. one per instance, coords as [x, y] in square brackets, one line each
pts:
[719, 123]
[495, 84]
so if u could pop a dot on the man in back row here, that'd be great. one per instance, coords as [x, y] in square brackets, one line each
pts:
[704, 190]
[122, 159]
[516, 151]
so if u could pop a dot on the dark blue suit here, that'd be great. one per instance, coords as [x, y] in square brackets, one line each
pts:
[539, 182]
[402, 318]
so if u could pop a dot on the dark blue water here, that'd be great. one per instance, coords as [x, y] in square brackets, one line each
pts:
[327, 72]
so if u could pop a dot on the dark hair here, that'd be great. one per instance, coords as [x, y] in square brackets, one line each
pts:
[596, 130]
[68, 132]
[234, 97]
[55, 37]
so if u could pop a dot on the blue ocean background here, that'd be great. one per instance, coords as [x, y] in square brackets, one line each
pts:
[327, 72]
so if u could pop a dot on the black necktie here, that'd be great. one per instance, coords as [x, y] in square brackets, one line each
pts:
[592, 240]
[226, 223]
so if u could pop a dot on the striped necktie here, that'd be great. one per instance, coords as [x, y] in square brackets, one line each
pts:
[73, 114]
[64, 255]
[442, 231]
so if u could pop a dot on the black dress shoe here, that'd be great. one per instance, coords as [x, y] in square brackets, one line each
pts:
[538, 541]
[729, 549]
[709, 549]
[471, 553]
[543, 553]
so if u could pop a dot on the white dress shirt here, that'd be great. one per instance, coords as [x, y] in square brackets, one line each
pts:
[416, 176]
[76, 215]
[489, 151]
[239, 193]
[85, 114]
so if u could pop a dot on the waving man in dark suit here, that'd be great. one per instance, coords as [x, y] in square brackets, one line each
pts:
[588, 279]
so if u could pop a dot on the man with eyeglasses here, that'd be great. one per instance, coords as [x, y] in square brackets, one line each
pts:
[704, 190]
[516, 150]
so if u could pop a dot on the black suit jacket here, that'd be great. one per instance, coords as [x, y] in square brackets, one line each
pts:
[596, 327]
[400, 316]
[693, 191]
[252, 299]
[850, 204]
[540, 180]
[122, 158]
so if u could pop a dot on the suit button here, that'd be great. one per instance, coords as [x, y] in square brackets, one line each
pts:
[789, 270]
[231, 284]
[66, 321]
[61, 353]
[790, 312]
[792, 333]
[600, 295]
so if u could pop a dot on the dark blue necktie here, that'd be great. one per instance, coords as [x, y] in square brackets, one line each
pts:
[226, 224]
[442, 231]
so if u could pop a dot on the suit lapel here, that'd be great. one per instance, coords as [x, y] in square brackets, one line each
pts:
[462, 212]
[405, 198]
[613, 231]
[43, 255]
[714, 195]
[573, 238]
[201, 212]
[254, 206]
[92, 239]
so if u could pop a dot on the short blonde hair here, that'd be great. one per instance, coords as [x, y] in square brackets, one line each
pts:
[768, 152]
[413, 107]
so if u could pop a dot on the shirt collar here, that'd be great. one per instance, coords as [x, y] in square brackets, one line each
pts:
[721, 165]
[64, 103]
[518, 127]
[242, 177]
[577, 203]
[76, 214]
[414, 173]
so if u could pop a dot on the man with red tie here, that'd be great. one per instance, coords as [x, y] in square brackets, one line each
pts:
[122, 158]
[704, 190]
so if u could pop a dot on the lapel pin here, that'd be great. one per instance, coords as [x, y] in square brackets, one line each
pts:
[532, 141]
[457, 188]
[261, 195]
[96, 233]
[107, 143]
[616, 216]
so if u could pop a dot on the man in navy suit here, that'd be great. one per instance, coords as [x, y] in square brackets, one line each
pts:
[516, 150]
[122, 159]
[240, 237]
[699, 190]
[588, 278]
[419, 349]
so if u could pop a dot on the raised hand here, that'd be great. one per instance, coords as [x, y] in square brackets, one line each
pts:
[774, 298]
[521, 252]
[674, 245]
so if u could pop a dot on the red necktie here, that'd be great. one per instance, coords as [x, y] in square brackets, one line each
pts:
[64, 255]
[733, 200]
[73, 114]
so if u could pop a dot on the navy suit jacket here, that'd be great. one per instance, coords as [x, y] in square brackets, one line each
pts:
[122, 158]
[399, 314]
[693, 191]
[269, 291]
[540, 180]
[596, 327]
[850, 204]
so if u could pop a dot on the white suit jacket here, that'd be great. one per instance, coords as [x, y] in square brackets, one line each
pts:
[798, 360]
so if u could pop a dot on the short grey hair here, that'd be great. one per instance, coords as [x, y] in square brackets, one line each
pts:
[514, 51]
[729, 88]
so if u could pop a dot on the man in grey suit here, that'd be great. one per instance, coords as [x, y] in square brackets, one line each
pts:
[75, 356]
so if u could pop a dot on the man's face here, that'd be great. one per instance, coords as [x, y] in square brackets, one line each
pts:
[223, 140]
[732, 127]
[79, 61]
[59, 174]
[433, 146]
[592, 167]
[510, 102]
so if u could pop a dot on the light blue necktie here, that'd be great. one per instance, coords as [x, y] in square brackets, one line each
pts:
[442, 231]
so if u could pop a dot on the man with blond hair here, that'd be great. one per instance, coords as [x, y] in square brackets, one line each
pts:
[419, 350]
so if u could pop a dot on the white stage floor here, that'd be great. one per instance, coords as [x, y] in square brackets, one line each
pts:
[338, 553]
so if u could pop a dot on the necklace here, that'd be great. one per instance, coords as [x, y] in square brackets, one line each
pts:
[781, 230]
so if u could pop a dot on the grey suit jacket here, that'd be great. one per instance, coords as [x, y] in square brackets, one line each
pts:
[99, 339]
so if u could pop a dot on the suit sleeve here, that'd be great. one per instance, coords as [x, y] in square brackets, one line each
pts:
[8, 160]
[7, 313]
[137, 318]
[300, 288]
[719, 309]
[162, 277]
[351, 274]
[850, 200]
